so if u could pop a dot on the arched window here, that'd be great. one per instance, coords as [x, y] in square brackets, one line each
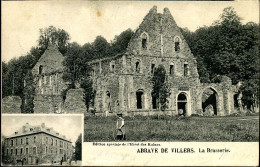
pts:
[40, 69]
[172, 69]
[137, 67]
[140, 99]
[152, 68]
[144, 40]
[186, 69]
[177, 44]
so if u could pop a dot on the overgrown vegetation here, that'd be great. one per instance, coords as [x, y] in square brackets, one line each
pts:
[78, 148]
[174, 128]
[228, 47]
[161, 90]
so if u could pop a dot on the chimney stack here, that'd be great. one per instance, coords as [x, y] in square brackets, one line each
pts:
[43, 125]
[24, 129]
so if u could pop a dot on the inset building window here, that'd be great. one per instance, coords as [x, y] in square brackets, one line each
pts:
[186, 69]
[12, 143]
[27, 151]
[21, 141]
[16, 151]
[11, 151]
[34, 139]
[177, 44]
[27, 141]
[21, 151]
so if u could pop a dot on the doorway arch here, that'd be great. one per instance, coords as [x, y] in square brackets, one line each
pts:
[139, 99]
[182, 104]
[209, 101]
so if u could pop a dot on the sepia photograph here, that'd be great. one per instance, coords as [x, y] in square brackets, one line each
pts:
[135, 71]
[41, 140]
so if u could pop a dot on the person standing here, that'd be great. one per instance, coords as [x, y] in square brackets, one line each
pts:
[120, 125]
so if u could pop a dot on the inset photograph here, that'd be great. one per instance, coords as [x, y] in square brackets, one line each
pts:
[49, 140]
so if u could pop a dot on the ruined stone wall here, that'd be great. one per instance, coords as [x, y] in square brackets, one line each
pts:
[224, 96]
[75, 102]
[49, 84]
[132, 71]
[48, 104]
[11, 104]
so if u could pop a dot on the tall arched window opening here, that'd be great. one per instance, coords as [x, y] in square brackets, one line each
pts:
[177, 44]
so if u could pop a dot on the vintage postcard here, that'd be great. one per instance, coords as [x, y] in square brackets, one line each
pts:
[141, 82]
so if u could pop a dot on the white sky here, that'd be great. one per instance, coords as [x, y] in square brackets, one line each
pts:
[21, 21]
[69, 125]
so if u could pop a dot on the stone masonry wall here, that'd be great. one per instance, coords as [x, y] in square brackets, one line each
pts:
[48, 104]
[75, 102]
[132, 71]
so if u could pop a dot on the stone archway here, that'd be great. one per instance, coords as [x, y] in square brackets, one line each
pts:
[209, 101]
[182, 104]
[140, 99]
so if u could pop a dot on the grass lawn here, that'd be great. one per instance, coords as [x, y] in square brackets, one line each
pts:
[174, 128]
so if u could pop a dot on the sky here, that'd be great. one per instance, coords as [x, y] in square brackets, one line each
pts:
[84, 20]
[69, 125]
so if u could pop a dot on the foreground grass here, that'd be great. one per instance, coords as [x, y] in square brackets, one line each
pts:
[169, 128]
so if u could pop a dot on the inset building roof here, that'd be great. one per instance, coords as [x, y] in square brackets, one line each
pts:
[28, 129]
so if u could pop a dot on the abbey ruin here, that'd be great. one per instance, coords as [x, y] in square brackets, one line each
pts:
[123, 82]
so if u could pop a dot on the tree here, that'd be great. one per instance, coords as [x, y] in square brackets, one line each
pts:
[228, 48]
[73, 69]
[100, 47]
[78, 148]
[55, 36]
[77, 70]
[28, 93]
[120, 42]
[161, 90]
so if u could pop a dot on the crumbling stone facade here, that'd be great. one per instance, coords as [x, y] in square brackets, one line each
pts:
[48, 73]
[11, 104]
[123, 82]
[37, 144]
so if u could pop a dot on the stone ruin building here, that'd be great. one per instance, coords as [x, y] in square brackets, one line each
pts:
[49, 86]
[123, 82]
